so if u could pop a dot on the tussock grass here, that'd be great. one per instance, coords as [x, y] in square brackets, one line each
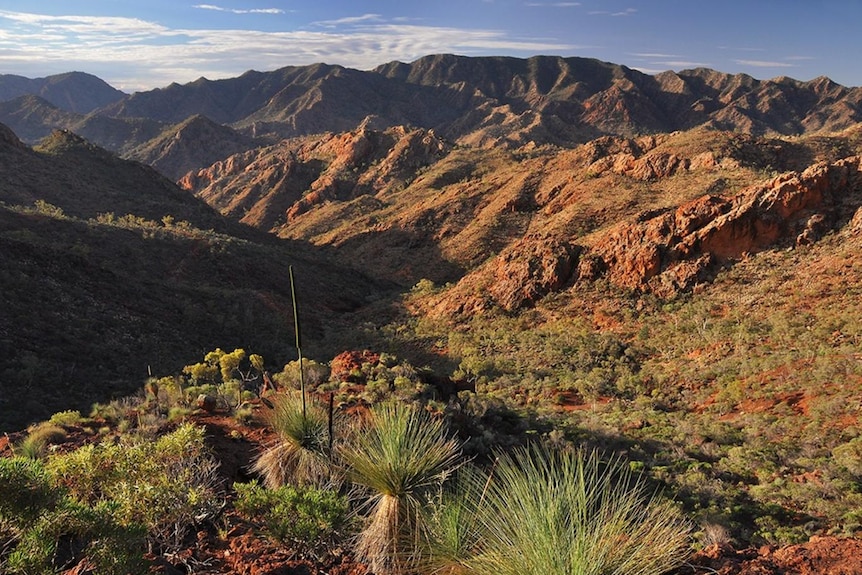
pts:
[35, 445]
[402, 457]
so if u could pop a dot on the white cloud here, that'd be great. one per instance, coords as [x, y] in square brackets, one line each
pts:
[239, 11]
[349, 20]
[134, 54]
[626, 12]
[653, 55]
[650, 71]
[764, 64]
[682, 64]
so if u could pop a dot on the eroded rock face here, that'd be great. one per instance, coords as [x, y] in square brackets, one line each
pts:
[673, 250]
[530, 269]
[281, 182]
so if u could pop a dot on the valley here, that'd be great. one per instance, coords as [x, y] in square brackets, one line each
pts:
[663, 268]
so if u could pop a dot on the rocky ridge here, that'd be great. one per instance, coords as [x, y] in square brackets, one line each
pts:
[483, 101]
[669, 251]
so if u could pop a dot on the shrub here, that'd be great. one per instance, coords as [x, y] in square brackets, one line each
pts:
[45, 530]
[402, 458]
[306, 518]
[25, 487]
[70, 417]
[168, 485]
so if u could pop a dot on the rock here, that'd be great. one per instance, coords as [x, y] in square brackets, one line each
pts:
[530, 269]
[206, 402]
[668, 252]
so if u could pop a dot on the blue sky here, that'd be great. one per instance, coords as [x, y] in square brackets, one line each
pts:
[144, 44]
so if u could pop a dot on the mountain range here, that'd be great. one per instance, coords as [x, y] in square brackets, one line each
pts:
[485, 102]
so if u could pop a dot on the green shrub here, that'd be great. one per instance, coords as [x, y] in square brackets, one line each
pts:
[70, 417]
[306, 518]
[167, 485]
[849, 456]
[26, 489]
[62, 537]
[45, 530]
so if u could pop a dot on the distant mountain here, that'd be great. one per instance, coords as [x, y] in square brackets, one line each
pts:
[32, 117]
[73, 91]
[503, 101]
[484, 102]
[195, 142]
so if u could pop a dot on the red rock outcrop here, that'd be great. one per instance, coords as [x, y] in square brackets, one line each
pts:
[281, 182]
[673, 250]
[531, 268]
[668, 251]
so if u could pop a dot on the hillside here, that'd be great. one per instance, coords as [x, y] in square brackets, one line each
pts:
[110, 271]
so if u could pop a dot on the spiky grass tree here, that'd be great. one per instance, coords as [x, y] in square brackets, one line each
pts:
[550, 513]
[402, 457]
[301, 454]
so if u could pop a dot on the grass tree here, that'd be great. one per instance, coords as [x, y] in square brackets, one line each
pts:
[552, 513]
[402, 457]
[301, 454]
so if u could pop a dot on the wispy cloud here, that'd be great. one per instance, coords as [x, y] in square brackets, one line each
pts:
[682, 64]
[650, 71]
[653, 55]
[764, 64]
[239, 11]
[800, 58]
[626, 12]
[553, 4]
[349, 20]
[742, 49]
[134, 54]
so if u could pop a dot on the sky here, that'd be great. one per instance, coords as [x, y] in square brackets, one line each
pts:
[144, 44]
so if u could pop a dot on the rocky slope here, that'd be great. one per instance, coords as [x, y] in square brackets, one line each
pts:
[184, 147]
[668, 251]
[628, 209]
